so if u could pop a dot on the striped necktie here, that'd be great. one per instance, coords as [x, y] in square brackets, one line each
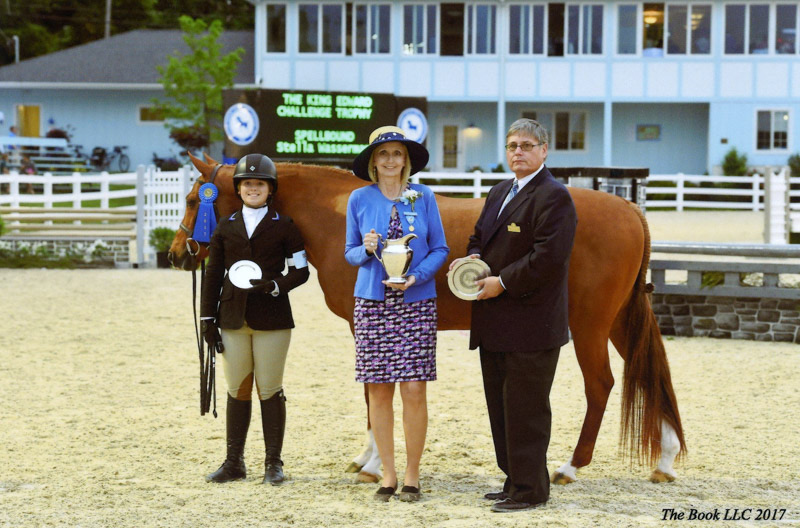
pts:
[510, 196]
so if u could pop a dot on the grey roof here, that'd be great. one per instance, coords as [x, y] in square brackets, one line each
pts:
[125, 58]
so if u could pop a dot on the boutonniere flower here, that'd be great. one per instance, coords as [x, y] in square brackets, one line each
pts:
[410, 196]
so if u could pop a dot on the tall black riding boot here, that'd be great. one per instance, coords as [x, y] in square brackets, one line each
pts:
[273, 421]
[237, 417]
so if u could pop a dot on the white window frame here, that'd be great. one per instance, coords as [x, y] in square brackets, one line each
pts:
[581, 23]
[320, 28]
[689, 7]
[770, 27]
[639, 29]
[531, 33]
[772, 149]
[139, 120]
[285, 29]
[425, 23]
[745, 38]
[369, 27]
[774, 27]
[471, 33]
[551, 145]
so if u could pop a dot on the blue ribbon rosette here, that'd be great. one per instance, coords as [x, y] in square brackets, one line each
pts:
[206, 219]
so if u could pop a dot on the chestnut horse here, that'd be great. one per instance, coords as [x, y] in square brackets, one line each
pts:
[607, 295]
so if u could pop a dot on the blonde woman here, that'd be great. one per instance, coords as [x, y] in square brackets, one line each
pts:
[395, 323]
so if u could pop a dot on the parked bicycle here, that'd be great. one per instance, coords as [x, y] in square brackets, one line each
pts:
[167, 163]
[101, 159]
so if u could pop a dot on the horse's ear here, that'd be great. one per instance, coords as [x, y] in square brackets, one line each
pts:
[204, 168]
[209, 159]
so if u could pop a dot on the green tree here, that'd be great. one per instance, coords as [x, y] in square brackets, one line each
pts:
[734, 163]
[45, 26]
[234, 14]
[794, 164]
[193, 85]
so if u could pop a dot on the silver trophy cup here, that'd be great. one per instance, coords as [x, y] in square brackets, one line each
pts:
[396, 257]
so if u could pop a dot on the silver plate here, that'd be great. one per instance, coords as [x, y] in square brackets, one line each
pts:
[462, 277]
[242, 271]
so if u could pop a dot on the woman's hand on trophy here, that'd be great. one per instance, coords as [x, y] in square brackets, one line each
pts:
[403, 286]
[371, 241]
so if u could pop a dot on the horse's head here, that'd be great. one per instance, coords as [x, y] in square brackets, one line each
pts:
[185, 252]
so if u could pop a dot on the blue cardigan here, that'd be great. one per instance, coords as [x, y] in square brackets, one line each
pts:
[368, 209]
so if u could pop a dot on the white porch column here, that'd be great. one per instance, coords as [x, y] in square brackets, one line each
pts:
[776, 206]
[607, 116]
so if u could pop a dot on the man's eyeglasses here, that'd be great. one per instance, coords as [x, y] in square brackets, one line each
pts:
[526, 147]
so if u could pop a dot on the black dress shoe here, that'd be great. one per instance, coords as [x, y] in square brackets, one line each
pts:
[496, 495]
[273, 473]
[230, 470]
[409, 494]
[510, 505]
[385, 493]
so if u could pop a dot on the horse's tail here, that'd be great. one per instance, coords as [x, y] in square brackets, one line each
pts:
[647, 394]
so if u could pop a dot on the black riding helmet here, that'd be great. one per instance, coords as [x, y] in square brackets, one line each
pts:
[257, 167]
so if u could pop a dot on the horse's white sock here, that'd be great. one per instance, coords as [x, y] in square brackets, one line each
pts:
[568, 470]
[373, 465]
[670, 445]
[365, 455]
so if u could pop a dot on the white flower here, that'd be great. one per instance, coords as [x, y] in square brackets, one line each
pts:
[410, 196]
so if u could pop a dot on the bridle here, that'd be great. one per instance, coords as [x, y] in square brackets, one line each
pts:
[208, 361]
[190, 231]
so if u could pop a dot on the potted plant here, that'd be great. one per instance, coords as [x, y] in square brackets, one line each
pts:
[160, 240]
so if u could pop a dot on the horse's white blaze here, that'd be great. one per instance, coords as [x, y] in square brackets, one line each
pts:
[670, 445]
[366, 454]
[569, 470]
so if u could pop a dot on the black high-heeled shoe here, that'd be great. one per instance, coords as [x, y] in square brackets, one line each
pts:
[385, 493]
[409, 494]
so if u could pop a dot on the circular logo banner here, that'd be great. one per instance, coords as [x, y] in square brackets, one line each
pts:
[241, 124]
[414, 124]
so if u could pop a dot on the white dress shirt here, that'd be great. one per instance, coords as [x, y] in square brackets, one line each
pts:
[252, 217]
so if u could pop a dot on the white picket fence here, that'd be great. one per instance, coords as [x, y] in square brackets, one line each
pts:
[159, 196]
[682, 193]
[685, 190]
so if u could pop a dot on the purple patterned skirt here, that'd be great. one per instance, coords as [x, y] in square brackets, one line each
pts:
[395, 341]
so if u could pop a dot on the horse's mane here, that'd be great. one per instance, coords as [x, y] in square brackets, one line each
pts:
[303, 168]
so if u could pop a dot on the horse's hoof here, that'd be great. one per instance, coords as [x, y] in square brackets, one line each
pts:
[561, 479]
[659, 476]
[364, 476]
[353, 468]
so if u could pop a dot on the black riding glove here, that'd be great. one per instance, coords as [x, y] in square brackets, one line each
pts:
[211, 334]
[263, 285]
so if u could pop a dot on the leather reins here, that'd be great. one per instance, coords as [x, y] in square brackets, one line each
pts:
[208, 361]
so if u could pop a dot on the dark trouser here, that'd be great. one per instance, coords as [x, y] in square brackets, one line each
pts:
[517, 387]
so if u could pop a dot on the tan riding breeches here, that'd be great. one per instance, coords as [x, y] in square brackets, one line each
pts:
[255, 354]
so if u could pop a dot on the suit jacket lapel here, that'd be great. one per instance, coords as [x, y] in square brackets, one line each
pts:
[493, 208]
[522, 197]
[238, 224]
[519, 199]
[266, 222]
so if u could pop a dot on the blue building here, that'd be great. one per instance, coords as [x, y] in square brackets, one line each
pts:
[670, 86]
[103, 90]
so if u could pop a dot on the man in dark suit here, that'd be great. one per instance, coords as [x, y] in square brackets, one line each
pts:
[519, 320]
